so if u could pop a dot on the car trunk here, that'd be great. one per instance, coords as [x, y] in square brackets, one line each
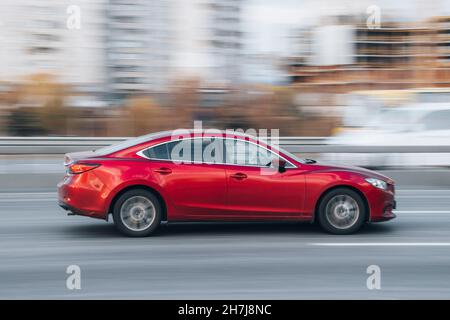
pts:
[75, 156]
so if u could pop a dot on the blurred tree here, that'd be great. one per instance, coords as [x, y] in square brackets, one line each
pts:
[145, 116]
[37, 106]
[24, 122]
[184, 102]
[233, 114]
[54, 116]
[277, 110]
[266, 107]
[41, 100]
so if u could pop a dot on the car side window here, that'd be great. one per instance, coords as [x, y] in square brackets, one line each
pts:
[207, 150]
[213, 151]
[245, 153]
[160, 152]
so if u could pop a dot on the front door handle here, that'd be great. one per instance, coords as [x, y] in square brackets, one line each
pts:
[163, 170]
[239, 176]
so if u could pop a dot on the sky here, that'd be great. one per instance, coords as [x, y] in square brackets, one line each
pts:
[268, 23]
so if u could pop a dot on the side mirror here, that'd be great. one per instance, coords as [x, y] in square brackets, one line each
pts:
[279, 164]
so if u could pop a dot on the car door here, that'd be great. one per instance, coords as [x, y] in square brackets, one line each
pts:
[254, 192]
[195, 190]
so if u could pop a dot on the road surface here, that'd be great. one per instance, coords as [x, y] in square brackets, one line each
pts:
[229, 261]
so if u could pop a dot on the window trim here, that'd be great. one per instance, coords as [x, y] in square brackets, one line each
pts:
[141, 153]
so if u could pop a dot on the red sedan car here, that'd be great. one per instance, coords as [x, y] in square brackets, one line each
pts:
[201, 176]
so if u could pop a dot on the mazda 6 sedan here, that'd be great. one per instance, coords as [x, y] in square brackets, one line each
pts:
[218, 176]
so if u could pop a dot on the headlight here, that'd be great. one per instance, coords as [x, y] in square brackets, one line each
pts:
[377, 183]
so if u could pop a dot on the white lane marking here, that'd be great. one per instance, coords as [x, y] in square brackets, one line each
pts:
[422, 211]
[28, 196]
[28, 200]
[20, 194]
[422, 197]
[421, 190]
[381, 244]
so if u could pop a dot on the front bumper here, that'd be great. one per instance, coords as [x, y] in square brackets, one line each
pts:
[381, 202]
[382, 205]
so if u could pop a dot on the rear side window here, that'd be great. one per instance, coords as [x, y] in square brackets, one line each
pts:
[160, 152]
[209, 150]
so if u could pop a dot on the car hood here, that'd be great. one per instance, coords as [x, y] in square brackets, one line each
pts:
[359, 170]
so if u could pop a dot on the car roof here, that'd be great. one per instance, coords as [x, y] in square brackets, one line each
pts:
[179, 133]
[212, 132]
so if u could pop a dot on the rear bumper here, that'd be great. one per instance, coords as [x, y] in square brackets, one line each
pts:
[76, 195]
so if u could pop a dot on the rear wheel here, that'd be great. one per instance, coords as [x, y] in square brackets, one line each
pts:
[342, 211]
[137, 213]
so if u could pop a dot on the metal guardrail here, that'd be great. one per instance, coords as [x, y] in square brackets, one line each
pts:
[60, 145]
[53, 145]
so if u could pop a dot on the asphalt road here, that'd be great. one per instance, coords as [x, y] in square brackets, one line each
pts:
[212, 261]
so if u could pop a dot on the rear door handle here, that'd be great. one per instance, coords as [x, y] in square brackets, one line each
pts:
[239, 176]
[163, 170]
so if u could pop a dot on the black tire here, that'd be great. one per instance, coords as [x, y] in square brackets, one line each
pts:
[135, 201]
[342, 199]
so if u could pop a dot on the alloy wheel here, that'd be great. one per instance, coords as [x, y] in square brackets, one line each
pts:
[138, 213]
[342, 211]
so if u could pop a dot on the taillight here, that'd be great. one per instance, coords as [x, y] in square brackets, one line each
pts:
[77, 168]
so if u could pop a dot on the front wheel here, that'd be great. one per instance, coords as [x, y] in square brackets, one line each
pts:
[342, 211]
[137, 213]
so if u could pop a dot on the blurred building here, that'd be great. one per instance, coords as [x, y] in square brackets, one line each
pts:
[332, 45]
[122, 47]
[395, 56]
[35, 39]
[208, 39]
[137, 46]
[441, 39]
[226, 39]
[264, 69]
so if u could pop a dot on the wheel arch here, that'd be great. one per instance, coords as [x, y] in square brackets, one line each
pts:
[143, 187]
[342, 186]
